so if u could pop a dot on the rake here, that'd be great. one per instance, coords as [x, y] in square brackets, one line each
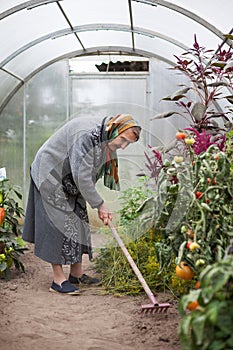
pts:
[155, 306]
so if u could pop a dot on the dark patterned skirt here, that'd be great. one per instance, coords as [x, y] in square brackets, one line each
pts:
[59, 236]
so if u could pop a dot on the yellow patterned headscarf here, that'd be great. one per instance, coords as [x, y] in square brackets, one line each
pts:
[115, 126]
[119, 124]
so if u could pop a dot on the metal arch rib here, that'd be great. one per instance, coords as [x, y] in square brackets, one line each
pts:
[186, 13]
[79, 53]
[183, 11]
[92, 27]
[25, 5]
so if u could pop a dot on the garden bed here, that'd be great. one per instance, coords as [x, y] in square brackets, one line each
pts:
[32, 318]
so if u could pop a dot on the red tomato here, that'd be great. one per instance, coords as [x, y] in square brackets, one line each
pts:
[2, 215]
[180, 135]
[184, 272]
[198, 194]
[193, 305]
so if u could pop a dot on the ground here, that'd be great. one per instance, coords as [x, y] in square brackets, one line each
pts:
[32, 318]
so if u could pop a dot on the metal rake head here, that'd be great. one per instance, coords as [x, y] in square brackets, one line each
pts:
[151, 309]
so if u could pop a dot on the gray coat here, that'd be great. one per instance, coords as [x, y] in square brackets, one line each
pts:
[76, 148]
[56, 221]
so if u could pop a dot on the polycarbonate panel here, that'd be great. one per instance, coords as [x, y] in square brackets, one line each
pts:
[217, 13]
[157, 47]
[7, 4]
[173, 24]
[101, 11]
[11, 139]
[7, 83]
[103, 89]
[108, 95]
[46, 106]
[106, 38]
[42, 53]
[24, 26]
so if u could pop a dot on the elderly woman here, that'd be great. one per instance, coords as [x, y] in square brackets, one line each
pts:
[63, 177]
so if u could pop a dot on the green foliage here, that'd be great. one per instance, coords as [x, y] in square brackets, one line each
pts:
[11, 245]
[209, 327]
[131, 199]
[198, 208]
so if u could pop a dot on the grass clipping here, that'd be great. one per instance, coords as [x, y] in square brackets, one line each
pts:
[118, 278]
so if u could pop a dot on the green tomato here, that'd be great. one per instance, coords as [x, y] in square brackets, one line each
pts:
[183, 229]
[1, 197]
[200, 262]
[167, 163]
[178, 159]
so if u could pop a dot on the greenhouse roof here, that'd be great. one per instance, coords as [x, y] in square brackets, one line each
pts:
[37, 33]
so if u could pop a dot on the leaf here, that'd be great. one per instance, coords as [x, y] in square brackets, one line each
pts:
[218, 64]
[198, 326]
[229, 98]
[179, 94]
[163, 115]
[19, 195]
[181, 252]
[212, 312]
[228, 36]
[228, 65]
[218, 83]
[184, 332]
[198, 111]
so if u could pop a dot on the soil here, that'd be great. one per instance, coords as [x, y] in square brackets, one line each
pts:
[34, 319]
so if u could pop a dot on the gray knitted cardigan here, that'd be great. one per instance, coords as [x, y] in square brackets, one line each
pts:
[76, 148]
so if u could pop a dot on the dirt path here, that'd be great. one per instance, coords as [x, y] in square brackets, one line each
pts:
[34, 319]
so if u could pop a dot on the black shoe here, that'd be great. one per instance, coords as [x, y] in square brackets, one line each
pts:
[84, 279]
[64, 288]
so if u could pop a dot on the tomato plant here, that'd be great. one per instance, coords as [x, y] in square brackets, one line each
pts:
[11, 245]
[208, 326]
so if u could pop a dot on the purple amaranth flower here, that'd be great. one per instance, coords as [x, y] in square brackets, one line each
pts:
[155, 164]
[204, 140]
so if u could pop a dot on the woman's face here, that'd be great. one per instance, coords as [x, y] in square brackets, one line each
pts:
[123, 140]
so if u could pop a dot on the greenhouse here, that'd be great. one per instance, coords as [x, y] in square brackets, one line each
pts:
[169, 66]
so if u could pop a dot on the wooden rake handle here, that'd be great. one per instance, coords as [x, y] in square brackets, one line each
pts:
[132, 264]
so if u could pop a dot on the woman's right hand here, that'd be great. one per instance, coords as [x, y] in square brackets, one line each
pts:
[104, 214]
